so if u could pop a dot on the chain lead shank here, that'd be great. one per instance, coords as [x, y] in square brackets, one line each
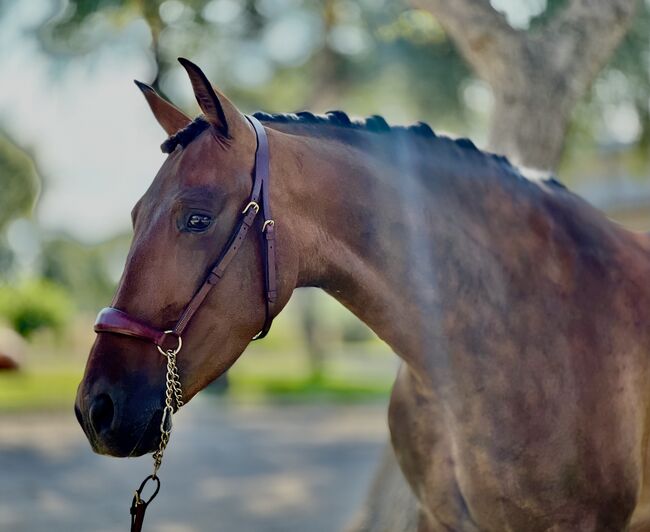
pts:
[173, 402]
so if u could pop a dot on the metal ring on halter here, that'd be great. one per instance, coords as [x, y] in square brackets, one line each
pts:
[174, 351]
[137, 496]
[252, 204]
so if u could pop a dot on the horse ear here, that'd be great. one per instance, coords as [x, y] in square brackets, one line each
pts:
[206, 96]
[169, 117]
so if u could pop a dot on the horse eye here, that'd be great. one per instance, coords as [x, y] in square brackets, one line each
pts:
[198, 222]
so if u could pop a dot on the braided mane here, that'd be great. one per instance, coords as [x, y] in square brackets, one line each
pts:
[338, 123]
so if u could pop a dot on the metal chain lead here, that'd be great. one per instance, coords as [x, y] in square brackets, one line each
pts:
[173, 402]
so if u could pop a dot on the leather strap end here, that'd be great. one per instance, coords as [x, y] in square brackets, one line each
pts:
[249, 218]
[269, 232]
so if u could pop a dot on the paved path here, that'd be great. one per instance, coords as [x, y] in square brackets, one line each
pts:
[284, 468]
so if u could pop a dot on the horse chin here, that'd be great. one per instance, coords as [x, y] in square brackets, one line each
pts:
[150, 439]
[141, 449]
[125, 450]
[132, 444]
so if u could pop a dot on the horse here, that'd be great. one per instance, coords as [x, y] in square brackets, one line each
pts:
[519, 311]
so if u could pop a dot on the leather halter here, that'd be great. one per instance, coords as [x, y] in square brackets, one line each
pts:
[112, 320]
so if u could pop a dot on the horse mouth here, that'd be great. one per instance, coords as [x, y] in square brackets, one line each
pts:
[121, 443]
[150, 438]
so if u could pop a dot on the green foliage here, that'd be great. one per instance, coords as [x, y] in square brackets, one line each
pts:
[87, 273]
[307, 389]
[628, 60]
[356, 48]
[355, 331]
[407, 68]
[34, 305]
[33, 390]
[629, 68]
[6, 257]
[19, 181]
[41, 391]
[553, 7]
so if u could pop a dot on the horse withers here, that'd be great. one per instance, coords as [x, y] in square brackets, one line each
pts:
[519, 311]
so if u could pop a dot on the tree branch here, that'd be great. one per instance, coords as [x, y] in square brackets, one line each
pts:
[481, 33]
[571, 49]
[578, 42]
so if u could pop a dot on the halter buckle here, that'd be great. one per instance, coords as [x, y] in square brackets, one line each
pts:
[267, 223]
[251, 204]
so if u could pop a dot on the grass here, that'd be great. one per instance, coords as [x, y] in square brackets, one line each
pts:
[49, 382]
[55, 390]
[285, 375]
[259, 375]
[306, 389]
[276, 369]
[48, 390]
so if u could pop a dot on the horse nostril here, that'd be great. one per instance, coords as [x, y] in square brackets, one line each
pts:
[101, 413]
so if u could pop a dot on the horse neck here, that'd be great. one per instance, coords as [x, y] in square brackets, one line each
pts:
[366, 228]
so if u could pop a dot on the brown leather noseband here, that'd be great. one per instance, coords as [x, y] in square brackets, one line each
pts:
[112, 320]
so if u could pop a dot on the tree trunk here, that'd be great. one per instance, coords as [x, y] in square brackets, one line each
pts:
[313, 335]
[537, 78]
[529, 126]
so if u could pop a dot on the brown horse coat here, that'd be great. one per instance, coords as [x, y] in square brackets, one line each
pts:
[520, 311]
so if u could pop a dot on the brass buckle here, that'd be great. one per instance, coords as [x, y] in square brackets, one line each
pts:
[174, 351]
[267, 223]
[252, 204]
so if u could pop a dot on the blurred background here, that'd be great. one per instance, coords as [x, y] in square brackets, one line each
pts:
[289, 440]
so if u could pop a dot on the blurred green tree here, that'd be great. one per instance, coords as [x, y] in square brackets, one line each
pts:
[400, 57]
[20, 185]
[88, 273]
[34, 305]
[345, 51]
[537, 75]
[19, 181]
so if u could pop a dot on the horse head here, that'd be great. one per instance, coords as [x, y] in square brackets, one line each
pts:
[182, 224]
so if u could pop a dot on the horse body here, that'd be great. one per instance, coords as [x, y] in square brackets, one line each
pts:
[519, 311]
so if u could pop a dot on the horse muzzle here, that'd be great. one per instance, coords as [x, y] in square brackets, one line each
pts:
[120, 420]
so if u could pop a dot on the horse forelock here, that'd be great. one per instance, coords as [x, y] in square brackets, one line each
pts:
[186, 135]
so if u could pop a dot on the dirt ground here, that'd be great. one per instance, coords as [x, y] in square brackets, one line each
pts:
[234, 468]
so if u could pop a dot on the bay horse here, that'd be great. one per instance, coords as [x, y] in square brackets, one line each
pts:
[519, 311]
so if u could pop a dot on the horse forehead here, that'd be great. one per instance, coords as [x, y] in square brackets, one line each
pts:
[184, 166]
[203, 160]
